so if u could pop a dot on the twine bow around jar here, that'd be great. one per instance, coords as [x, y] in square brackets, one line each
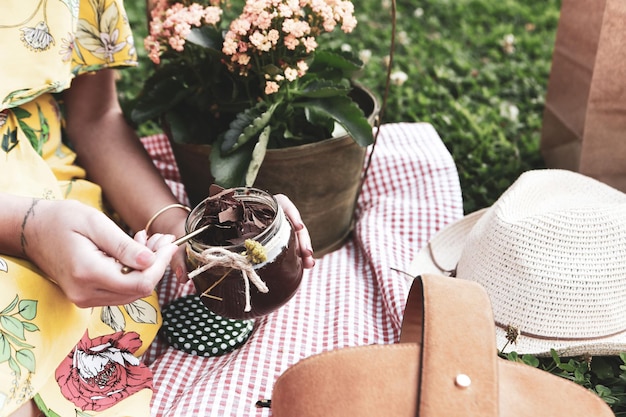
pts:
[220, 257]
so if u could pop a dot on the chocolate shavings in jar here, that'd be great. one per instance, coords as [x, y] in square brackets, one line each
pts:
[233, 221]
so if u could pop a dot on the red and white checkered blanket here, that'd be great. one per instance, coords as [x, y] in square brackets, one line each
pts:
[353, 296]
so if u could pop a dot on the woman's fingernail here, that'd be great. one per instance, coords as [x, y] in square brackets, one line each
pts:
[179, 273]
[145, 257]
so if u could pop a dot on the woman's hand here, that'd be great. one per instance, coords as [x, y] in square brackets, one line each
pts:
[83, 251]
[302, 238]
[302, 234]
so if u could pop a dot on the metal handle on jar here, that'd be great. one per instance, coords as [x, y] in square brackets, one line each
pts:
[177, 242]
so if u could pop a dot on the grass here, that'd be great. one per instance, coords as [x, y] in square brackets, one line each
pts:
[477, 70]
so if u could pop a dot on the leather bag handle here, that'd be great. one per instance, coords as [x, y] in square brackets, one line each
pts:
[417, 376]
[446, 365]
[447, 316]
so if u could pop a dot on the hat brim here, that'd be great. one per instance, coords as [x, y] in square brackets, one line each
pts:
[441, 256]
[442, 253]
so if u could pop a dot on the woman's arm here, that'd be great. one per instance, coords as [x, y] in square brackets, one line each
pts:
[114, 158]
[82, 250]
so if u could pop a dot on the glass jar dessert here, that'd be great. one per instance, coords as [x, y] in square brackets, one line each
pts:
[245, 265]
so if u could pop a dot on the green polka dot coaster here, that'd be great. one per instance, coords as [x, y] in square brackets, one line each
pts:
[189, 326]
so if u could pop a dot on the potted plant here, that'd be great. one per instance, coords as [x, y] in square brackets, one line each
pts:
[245, 79]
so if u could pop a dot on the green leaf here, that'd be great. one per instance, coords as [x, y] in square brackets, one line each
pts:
[343, 64]
[602, 368]
[164, 94]
[316, 118]
[206, 37]
[13, 326]
[348, 114]
[11, 306]
[579, 376]
[18, 97]
[20, 113]
[229, 170]
[17, 342]
[45, 126]
[181, 131]
[5, 349]
[323, 88]
[246, 126]
[568, 367]
[530, 360]
[44, 408]
[26, 358]
[9, 140]
[28, 309]
[258, 154]
[602, 390]
[33, 138]
[30, 327]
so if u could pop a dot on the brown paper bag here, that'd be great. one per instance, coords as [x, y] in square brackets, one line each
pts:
[584, 124]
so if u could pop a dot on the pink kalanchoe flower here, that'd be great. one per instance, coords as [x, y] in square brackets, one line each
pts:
[271, 87]
[177, 43]
[240, 26]
[171, 24]
[310, 44]
[267, 32]
[243, 47]
[345, 12]
[296, 28]
[273, 36]
[291, 42]
[242, 59]
[182, 30]
[154, 49]
[303, 67]
[212, 15]
[285, 10]
[291, 74]
[263, 20]
[260, 41]
[194, 14]
[230, 44]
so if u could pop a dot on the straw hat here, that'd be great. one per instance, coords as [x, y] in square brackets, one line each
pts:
[551, 254]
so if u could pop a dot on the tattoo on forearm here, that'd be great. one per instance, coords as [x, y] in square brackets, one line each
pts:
[30, 212]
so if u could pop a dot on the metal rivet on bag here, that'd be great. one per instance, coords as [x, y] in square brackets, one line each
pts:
[462, 381]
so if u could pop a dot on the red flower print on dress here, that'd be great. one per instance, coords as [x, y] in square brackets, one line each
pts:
[101, 372]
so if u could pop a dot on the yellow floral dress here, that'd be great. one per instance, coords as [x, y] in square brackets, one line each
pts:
[72, 361]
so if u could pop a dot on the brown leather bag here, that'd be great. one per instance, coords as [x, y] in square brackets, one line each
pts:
[446, 364]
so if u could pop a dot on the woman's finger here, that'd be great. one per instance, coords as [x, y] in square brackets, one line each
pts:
[303, 237]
